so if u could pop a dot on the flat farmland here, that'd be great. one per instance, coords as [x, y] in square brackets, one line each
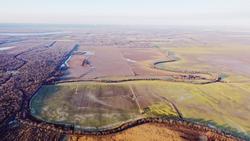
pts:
[103, 62]
[116, 62]
[221, 103]
[141, 60]
[231, 61]
[92, 104]
[213, 103]
[106, 63]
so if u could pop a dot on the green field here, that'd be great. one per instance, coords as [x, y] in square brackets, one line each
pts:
[86, 106]
[91, 104]
[222, 103]
[230, 62]
[225, 104]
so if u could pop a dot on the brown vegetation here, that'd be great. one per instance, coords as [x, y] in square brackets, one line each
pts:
[155, 132]
[29, 69]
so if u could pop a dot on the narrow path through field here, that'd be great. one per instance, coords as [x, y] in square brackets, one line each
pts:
[76, 91]
[135, 99]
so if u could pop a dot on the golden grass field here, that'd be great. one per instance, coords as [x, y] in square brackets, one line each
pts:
[150, 132]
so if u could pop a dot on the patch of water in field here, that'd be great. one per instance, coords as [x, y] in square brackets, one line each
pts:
[6, 48]
[29, 33]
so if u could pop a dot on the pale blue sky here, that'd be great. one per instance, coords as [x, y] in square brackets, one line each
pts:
[156, 12]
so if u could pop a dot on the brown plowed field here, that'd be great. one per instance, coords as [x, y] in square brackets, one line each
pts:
[155, 132]
[105, 61]
[116, 62]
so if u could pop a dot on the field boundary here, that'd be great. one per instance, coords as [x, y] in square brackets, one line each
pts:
[169, 121]
[214, 77]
